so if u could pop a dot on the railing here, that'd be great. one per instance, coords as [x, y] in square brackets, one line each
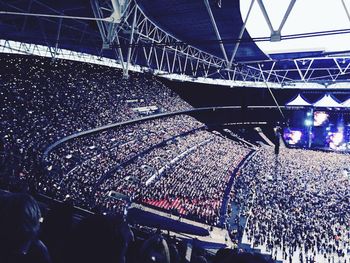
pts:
[155, 116]
[224, 206]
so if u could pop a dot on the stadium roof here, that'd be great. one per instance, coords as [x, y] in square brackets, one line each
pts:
[199, 39]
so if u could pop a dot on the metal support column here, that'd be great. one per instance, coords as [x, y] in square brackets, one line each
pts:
[126, 71]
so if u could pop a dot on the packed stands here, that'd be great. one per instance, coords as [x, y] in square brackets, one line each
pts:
[296, 203]
[89, 165]
[151, 164]
[44, 100]
[195, 186]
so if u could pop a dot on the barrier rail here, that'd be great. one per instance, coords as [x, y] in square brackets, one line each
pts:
[155, 116]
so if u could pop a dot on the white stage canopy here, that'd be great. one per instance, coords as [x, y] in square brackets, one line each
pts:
[328, 102]
[346, 103]
[299, 101]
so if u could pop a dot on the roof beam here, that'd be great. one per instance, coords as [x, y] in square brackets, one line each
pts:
[126, 72]
[26, 18]
[120, 52]
[241, 34]
[276, 34]
[299, 71]
[346, 9]
[266, 16]
[58, 36]
[97, 13]
[286, 15]
[54, 10]
[213, 22]
[44, 17]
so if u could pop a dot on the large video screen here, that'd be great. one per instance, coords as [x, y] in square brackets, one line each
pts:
[319, 129]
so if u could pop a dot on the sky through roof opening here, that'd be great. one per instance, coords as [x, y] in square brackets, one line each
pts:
[307, 16]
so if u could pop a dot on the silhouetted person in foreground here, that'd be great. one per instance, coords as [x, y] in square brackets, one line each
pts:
[19, 227]
[57, 229]
[96, 239]
[155, 249]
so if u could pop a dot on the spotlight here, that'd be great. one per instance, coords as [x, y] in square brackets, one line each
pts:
[308, 122]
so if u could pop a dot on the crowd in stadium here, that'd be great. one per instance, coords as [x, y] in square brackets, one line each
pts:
[196, 185]
[191, 185]
[52, 99]
[297, 203]
[89, 165]
[159, 176]
[128, 180]
[43, 100]
[126, 141]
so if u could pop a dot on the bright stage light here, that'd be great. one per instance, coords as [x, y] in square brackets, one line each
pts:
[335, 139]
[308, 122]
[338, 138]
[320, 117]
[293, 137]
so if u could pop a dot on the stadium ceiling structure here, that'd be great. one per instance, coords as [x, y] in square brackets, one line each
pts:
[251, 43]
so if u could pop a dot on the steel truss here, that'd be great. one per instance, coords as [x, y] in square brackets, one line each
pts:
[14, 47]
[138, 40]
[138, 44]
[263, 79]
[321, 70]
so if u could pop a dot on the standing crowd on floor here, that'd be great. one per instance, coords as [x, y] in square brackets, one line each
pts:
[297, 202]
